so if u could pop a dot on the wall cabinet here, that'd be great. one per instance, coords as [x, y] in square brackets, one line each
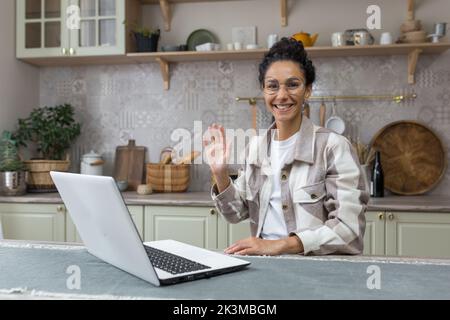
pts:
[58, 28]
[412, 234]
[43, 222]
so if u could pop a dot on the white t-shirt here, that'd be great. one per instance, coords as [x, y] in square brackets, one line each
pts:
[281, 152]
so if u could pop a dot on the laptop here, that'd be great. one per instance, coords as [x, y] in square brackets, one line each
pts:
[108, 232]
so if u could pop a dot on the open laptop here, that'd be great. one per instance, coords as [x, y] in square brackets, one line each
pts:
[107, 230]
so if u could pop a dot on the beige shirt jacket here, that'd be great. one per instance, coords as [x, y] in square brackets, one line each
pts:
[323, 194]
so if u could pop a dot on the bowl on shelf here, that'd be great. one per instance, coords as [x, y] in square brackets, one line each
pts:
[169, 48]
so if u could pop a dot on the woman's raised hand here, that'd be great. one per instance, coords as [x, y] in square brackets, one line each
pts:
[217, 151]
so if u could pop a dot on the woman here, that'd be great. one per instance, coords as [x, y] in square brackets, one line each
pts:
[306, 194]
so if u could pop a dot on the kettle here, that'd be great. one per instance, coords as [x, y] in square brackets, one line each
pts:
[307, 39]
[92, 164]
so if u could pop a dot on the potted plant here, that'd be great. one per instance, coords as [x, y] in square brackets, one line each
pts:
[12, 169]
[146, 39]
[52, 129]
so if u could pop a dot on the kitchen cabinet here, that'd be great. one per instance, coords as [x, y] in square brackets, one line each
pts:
[192, 225]
[136, 212]
[412, 234]
[200, 226]
[73, 28]
[43, 222]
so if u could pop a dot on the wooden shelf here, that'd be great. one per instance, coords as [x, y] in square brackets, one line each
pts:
[167, 11]
[412, 51]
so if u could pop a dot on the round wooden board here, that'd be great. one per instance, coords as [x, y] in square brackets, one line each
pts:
[412, 156]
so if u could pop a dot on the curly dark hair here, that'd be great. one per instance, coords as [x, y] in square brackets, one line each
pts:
[291, 50]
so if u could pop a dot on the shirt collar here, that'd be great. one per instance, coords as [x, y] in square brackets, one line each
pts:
[304, 147]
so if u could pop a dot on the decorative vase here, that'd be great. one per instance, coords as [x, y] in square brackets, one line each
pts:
[146, 44]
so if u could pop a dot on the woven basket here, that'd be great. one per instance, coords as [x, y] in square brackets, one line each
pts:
[168, 178]
[39, 179]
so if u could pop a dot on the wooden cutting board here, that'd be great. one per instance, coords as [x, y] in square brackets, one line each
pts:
[129, 164]
[412, 156]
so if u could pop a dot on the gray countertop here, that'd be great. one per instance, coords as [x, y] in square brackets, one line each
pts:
[43, 267]
[203, 199]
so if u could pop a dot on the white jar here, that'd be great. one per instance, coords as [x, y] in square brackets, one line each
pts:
[92, 164]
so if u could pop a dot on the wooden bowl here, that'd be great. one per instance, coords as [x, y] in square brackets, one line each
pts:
[414, 37]
[411, 25]
[413, 158]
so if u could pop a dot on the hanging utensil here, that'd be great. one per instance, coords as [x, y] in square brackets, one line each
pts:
[322, 113]
[335, 123]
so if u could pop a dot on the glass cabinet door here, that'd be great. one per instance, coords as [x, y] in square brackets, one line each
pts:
[40, 28]
[102, 29]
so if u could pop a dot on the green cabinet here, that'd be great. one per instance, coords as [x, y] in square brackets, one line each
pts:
[193, 225]
[38, 222]
[409, 234]
[57, 28]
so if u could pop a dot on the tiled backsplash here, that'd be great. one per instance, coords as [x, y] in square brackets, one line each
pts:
[116, 103]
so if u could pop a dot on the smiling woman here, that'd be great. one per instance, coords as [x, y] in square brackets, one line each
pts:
[304, 193]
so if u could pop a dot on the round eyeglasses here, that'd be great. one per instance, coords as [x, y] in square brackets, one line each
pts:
[291, 85]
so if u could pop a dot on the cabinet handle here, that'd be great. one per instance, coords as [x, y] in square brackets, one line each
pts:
[391, 216]
[212, 212]
[64, 51]
[72, 51]
[60, 209]
[381, 216]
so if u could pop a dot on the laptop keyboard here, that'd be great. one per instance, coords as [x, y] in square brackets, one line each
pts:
[172, 263]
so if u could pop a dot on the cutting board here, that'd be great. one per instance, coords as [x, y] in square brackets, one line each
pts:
[129, 164]
[412, 156]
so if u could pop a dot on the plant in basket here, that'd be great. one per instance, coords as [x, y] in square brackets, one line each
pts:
[52, 129]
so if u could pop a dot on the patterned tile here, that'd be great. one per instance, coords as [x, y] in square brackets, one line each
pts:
[118, 103]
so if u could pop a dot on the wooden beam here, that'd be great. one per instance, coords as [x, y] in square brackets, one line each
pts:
[412, 64]
[164, 65]
[283, 4]
[167, 15]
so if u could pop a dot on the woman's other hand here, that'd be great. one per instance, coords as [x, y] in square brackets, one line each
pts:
[258, 246]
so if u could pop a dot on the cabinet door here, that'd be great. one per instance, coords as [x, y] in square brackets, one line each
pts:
[418, 234]
[192, 225]
[33, 222]
[228, 233]
[40, 28]
[102, 28]
[375, 233]
[136, 212]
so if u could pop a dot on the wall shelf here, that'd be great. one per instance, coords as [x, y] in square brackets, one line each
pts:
[167, 11]
[411, 51]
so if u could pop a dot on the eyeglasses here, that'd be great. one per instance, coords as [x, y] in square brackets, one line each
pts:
[292, 85]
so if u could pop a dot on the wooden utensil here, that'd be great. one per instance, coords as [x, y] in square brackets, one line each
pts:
[410, 15]
[412, 156]
[129, 164]
[189, 159]
[322, 113]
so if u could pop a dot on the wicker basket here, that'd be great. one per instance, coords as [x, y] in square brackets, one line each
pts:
[168, 178]
[39, 179]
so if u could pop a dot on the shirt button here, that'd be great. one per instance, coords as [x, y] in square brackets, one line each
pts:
[284, 177]
[285, 207]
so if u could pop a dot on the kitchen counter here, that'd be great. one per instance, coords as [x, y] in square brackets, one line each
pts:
[203, 199]
[41, 274]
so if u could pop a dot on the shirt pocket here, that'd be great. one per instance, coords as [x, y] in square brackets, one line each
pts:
[311, 198]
